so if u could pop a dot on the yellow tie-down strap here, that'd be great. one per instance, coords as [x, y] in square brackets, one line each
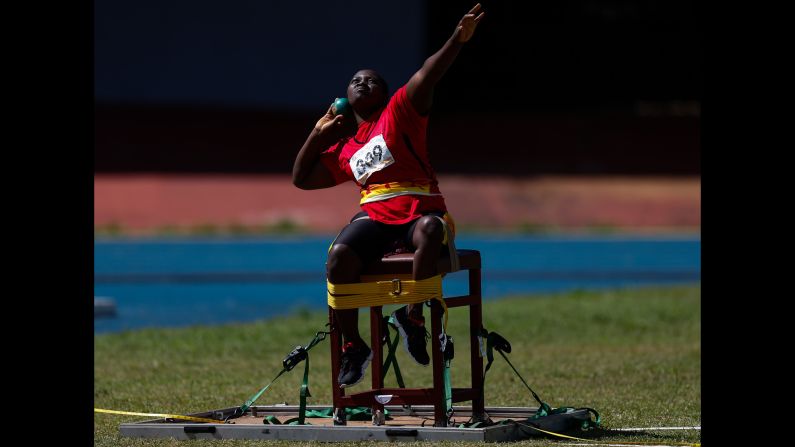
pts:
[380, 293]
[160, 415]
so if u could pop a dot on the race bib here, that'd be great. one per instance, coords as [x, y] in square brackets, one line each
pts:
[372, 157]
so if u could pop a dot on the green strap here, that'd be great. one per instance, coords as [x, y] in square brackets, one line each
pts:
[324, 413]
[295, 421]
[300, 420]
[392, 357]
[489, 355]
[544, 407]
[304, 393]
[448, 355]
[271, 420]
[448, 391]
[587, 424]
[495, 341]
[256, 396]
[319, 336]
[352, 414]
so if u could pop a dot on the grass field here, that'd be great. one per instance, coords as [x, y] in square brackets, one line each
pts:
[632, 354]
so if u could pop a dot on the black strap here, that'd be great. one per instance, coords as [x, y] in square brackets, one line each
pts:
[498, 342]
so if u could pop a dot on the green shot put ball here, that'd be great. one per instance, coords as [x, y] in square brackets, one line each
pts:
[342, 106]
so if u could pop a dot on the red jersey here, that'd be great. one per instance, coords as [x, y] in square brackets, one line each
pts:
[388, 159]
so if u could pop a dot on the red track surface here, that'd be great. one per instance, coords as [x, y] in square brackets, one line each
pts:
[143, 203]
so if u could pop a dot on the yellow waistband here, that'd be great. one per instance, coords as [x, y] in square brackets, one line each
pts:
[385, 191]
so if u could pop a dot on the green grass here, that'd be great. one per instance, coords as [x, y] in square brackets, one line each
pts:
[632, 354]
[233, 229]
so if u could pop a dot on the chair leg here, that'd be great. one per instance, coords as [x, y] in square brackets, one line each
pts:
[376, 365]
[440, 416]
[335, 341]
[475, 325]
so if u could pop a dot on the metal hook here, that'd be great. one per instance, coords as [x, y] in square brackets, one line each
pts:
[397, 288]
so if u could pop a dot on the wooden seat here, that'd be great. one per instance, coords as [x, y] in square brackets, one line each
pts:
[402, 263]
[400, 266]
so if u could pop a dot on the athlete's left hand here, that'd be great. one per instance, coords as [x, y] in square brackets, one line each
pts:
[466, 27]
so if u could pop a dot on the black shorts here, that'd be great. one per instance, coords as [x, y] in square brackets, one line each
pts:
[371, 240]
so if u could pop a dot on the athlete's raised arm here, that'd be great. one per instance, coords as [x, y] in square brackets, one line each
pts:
[419, 89]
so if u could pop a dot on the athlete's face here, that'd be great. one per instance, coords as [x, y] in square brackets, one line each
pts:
[366, 91]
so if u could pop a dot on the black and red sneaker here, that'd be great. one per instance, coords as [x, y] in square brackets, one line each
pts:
[415, 336]
[353, 364]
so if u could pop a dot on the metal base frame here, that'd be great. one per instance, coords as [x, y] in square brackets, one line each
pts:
[181, 429]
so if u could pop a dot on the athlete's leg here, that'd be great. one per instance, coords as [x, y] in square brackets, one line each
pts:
[427, 237]
[358, 243]
[344, 267]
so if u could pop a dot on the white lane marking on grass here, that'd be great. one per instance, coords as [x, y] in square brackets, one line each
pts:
[619, 445]
[697, 427]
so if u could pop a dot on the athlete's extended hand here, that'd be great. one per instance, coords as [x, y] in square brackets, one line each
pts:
[466, 27]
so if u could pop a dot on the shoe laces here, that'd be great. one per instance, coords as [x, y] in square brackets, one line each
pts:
[351, 352]
[416, 333]
[416, 321]
[345, 359]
